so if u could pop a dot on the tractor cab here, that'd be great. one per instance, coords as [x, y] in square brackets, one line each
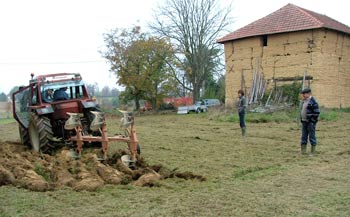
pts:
[54, 95]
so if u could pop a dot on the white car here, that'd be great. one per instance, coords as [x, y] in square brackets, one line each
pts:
[198, 107]
[212, 102]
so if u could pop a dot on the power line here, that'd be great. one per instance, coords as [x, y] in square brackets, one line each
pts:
[51, 63]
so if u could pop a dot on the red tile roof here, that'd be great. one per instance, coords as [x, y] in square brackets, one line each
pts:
[290, 18]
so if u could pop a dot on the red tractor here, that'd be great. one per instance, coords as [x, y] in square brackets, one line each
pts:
[56, 109]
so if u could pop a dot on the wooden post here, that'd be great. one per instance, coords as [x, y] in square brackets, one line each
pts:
[303, 85]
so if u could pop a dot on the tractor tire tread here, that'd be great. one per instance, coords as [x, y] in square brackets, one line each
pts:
[44, 127]
[24, 136]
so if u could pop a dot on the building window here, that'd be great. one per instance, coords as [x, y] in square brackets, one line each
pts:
[264, 40]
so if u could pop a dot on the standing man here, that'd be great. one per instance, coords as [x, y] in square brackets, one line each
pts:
[241, 106]
[309, 117]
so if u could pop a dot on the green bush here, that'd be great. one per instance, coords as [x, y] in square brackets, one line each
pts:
[278, 117]
[290, 91]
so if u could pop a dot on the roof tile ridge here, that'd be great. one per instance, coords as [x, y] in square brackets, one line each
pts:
[306, 12]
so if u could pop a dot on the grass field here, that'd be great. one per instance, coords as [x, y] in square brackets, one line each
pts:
[261, 175]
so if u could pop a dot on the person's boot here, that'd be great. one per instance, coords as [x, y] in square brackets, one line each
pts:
[303, 149]
[313, 150]
[244, 131]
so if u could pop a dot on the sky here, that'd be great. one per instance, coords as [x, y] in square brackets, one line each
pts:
[53, 36]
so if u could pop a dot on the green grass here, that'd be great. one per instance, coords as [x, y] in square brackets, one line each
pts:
[6, 120]
[261, 175]
[329, 116]
[40, 170]
[278, 117]
[256, 172]
[285, 116]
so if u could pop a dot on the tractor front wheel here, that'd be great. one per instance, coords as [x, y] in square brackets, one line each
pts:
[40, 133]
[24, 135]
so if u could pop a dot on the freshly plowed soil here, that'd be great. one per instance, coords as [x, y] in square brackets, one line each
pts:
[41, 172]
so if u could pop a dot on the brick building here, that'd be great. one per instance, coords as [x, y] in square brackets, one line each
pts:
[287, 43]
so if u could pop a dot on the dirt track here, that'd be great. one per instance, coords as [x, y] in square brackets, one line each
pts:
[40, 172]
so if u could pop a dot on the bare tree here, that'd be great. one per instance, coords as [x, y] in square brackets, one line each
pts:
[92, 89]
[194, 26]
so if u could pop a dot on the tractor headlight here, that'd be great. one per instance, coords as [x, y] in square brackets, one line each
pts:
[45, 110]
[89, 104]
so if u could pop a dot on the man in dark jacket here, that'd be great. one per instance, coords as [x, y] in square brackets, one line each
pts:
[309, 114]
[241, 107]
[60, 94]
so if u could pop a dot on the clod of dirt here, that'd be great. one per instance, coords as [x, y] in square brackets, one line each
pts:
[188, 175]
[32, 181]
[108, 174]
[41, 172]
[148, 179]
[63, 178]
[65, 155]
[122, 168]
[88, 181]
[6, 177]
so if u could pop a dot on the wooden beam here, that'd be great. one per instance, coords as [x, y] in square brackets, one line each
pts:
[297, 78]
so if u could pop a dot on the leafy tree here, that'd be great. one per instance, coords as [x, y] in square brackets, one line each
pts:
[158, 83]
[14, 89]
[211, 90]
[115, 101]
[3, 97]
[221, 88]
[216, 89]
[105, 91]
[140, 63]
[193, 25]
[114, 92]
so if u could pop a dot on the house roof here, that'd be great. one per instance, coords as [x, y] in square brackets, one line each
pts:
[289, 18]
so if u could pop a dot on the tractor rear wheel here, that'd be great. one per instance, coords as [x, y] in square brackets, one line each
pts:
[24, 135]
[40, 133]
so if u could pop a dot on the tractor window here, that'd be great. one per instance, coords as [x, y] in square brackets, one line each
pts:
[75, 92]
[21, 105]
[78, 92]
[35, 96]
[74, 88]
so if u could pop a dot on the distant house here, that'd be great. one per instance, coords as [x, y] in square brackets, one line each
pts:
[287, 43]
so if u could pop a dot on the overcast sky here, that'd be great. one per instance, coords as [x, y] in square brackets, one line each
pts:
[52, 36]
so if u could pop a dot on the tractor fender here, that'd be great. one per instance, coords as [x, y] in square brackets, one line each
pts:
[89, 104]
[44, 110]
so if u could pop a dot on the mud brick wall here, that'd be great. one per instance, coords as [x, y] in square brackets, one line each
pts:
[323, 54]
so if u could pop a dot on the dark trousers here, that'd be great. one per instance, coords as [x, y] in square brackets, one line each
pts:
[308, 131]
[241, 119]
